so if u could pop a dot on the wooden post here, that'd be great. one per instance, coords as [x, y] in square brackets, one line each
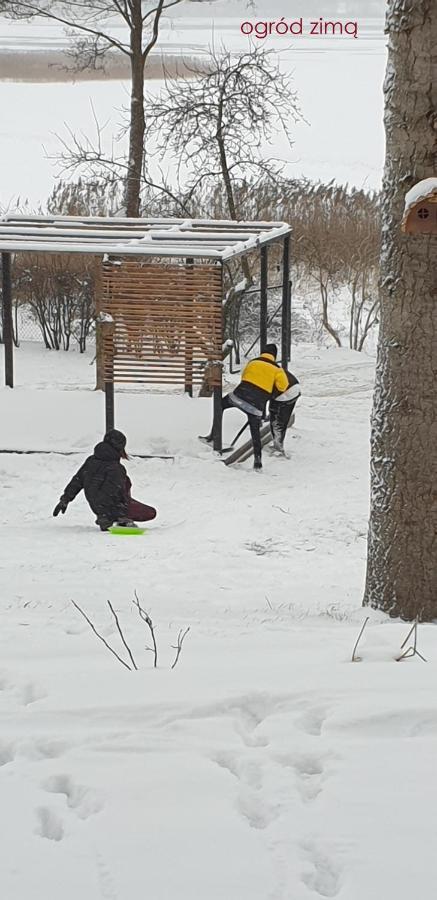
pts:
[8, 331]
[263, 299]
[107, 337]
[285, 329]
[98, 288]
[217, 433]
[109, 405]
[217, 417]
[189, 335]
[290, 287]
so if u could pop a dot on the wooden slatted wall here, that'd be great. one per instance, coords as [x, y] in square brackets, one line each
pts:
[168, 321]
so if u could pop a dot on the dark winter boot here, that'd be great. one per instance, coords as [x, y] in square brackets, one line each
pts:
[103, 522]
[257, 463]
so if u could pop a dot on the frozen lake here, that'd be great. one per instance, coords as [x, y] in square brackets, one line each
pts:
[339, 82]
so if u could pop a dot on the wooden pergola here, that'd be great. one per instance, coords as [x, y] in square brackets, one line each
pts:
[160, 295]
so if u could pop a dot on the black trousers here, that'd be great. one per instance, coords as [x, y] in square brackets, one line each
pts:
[254, 425]
[280, 414]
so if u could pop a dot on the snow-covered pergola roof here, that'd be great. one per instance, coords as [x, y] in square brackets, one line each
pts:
[205, 238]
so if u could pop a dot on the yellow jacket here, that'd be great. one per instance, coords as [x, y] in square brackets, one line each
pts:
[264, 373]
[260, 379]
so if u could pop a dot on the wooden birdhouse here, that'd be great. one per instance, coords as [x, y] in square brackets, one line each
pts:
[420, 213]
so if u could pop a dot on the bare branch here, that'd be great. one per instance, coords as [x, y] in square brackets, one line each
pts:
[411, 651]
[35, 9]
[358, 658]
[146, 618]
[105, 642]
[121, 634]
[181, 637]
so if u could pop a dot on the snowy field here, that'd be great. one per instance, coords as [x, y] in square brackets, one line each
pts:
[265, 766]
[338, 81]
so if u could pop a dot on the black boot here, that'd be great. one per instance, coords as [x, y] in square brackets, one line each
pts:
[103, 522]
[257, 463]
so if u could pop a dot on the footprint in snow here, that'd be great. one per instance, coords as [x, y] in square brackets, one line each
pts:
[84, 801]
[312, 721]
[248, 772]
[257, 811]
[323, 874]
[7, 753]
[107, 886]
[49, 824]
[310, 774]
[27, 693]
[31, 692]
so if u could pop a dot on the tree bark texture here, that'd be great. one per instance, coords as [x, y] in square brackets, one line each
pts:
[402, 540]
[137, 123]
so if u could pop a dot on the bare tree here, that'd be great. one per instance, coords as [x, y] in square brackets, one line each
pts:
[91, 22]
[402, 543]
[214, 125]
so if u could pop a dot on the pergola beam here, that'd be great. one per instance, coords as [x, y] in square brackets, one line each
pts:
[220, 240]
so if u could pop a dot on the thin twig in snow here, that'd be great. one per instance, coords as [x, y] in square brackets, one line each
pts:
[409, 635]
[146, 618]
[285, 511]
[108, 646]
[121, 634]
[181, 637]
[358, 658]
[411, 651]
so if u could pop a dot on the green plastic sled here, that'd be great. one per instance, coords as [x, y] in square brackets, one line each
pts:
[118, 529]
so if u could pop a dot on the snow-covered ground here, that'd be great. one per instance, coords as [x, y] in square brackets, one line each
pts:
[265, 766]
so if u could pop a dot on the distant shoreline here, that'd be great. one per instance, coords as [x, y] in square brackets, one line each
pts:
[54, 66]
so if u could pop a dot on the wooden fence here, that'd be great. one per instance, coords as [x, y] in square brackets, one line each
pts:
[167, 321]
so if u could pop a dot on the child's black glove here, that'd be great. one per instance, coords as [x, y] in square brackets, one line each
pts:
[60, 507]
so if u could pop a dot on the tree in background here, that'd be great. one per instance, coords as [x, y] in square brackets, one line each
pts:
[91, 22]
[57, 292]
[214, 122]
[214, 125]
[402, 544]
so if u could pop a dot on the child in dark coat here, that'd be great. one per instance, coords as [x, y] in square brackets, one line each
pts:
[107, 486]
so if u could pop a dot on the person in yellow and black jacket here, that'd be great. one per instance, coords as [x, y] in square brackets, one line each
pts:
[261, 378]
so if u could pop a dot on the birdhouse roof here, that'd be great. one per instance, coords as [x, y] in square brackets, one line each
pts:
[423, 190]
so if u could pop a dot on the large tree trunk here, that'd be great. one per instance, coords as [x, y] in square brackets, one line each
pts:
[402, 545]
[137, 124]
